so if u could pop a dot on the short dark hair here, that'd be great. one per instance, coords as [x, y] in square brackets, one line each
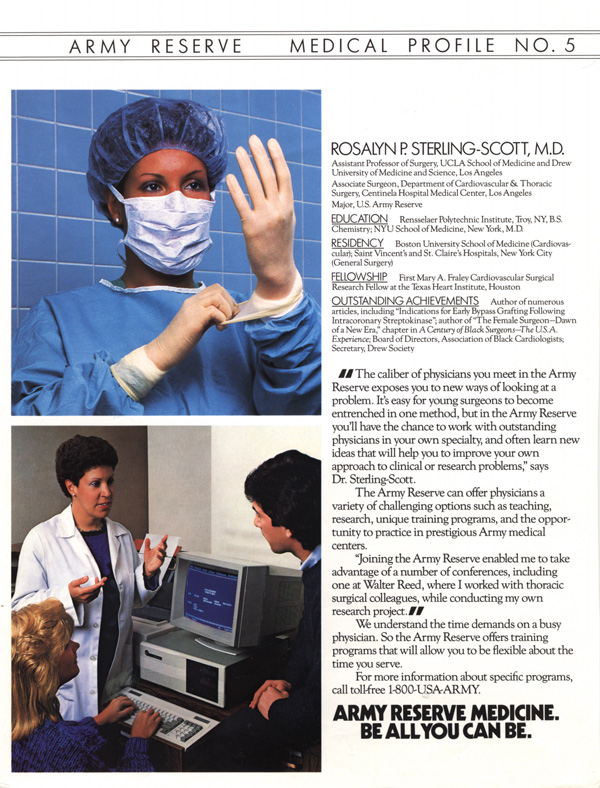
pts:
[288, 489]
[76, 456]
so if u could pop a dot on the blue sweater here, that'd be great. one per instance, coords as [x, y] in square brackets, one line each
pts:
[75, 747]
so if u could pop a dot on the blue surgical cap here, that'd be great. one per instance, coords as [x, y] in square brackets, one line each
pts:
[135, 130]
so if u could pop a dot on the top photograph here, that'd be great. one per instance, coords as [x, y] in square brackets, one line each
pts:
[166, 252]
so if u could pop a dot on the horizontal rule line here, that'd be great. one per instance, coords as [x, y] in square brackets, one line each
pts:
[254, 33]
[32, 58]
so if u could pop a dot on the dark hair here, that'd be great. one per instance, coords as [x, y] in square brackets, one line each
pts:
[76, 456]
[288, 489]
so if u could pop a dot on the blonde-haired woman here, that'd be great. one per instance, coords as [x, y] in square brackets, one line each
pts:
[43, 658]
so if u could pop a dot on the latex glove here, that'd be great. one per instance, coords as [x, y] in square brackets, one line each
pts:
[211, 306]
[268, 225]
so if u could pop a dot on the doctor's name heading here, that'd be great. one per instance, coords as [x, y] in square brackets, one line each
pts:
[348, 45]
[438, 148]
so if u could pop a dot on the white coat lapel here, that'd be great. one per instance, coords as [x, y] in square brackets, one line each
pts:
[115, 532]
[66, 529]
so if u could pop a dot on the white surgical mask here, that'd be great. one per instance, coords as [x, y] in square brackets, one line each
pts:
[171, 233]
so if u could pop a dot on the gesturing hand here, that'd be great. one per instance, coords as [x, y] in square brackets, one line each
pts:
[87, 594]
[268, 225]
[154, 556]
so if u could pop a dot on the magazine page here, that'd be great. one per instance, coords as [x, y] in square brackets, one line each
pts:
[443, 174]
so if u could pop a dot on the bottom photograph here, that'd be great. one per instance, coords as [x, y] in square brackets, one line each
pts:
[166, 599]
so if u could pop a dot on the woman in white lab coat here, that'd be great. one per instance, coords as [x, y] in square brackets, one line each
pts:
[61, 556]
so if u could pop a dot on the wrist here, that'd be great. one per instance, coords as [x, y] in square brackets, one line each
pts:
[174, 343]
[100, 719]
[278, 282]
[158, 356]
[137, 373]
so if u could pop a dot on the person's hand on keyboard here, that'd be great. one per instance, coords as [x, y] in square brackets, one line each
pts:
[117, 710]
[145, 724]
[177, 724]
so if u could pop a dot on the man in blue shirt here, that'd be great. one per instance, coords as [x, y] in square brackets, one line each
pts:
[285, 492]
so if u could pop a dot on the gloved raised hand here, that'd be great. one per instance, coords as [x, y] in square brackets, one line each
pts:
[268, 224]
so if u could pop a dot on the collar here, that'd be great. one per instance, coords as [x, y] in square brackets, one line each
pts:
[66, 525]
[118, 286]
[94, 532]
[312, 559]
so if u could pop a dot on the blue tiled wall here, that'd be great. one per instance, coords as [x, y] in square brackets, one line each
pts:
[61, 242]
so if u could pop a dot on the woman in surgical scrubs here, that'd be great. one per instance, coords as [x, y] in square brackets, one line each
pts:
[146, 343]
[90, 564]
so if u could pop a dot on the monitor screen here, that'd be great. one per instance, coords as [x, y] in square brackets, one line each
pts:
[234, 603]
[210, 597]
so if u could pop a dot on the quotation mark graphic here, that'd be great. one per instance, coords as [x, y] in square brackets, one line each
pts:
[346, 373]
[415, 611]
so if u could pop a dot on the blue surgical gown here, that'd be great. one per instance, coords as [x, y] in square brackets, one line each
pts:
[63, 351]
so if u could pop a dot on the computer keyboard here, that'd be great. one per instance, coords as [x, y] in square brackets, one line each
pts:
[179, 726]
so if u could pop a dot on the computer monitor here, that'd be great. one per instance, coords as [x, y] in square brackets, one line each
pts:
[231, 604]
